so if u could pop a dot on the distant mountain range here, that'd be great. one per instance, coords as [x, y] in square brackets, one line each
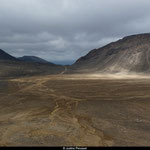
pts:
[5, 56]
[26, 66]
[130, 54]
[32, 59]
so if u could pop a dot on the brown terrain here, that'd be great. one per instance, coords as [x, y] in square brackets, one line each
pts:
[75, 110]
[44, 104]
[129, 54]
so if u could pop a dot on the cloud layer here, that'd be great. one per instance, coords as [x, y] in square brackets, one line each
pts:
[63, 30]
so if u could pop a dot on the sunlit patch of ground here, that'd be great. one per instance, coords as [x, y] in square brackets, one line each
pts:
[81, 110]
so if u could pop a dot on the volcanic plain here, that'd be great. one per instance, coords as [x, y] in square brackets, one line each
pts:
[75, 110]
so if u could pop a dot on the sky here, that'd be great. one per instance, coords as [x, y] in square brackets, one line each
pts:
[61, 31]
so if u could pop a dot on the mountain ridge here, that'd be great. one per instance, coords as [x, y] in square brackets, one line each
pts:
[33, 59]
[13, 67]
[129, 54]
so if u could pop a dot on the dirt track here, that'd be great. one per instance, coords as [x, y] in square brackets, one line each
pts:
[74, 110]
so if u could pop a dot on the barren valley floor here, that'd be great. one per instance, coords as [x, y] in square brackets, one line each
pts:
[74, 110]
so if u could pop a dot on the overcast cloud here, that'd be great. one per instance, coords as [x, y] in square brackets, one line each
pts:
[63, 30]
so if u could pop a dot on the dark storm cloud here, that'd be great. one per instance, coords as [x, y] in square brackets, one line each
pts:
[63, 30]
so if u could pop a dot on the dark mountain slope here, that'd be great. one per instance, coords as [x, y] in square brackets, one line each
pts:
[130, 54]
[13, 67]
[19, 69]
[6, 56]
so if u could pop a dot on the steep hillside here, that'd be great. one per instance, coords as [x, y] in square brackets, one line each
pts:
[130, 54]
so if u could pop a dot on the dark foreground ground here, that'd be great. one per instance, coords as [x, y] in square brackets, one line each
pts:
[74, 110]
